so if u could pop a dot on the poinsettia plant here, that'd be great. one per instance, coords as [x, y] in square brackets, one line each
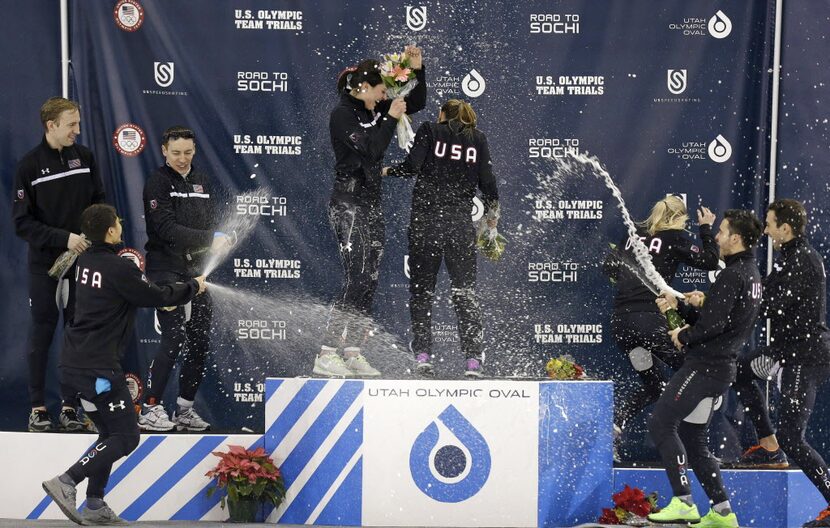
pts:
[564, 368]
[631, 506]
[247, 474]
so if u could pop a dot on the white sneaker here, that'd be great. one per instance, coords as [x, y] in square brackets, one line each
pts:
[361, 368]
[188, 420]
[154, 418]
[331, 366]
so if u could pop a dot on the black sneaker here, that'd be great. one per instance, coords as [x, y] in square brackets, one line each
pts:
[759, 458]
[39, 421]
[70, 422]
[823, 519]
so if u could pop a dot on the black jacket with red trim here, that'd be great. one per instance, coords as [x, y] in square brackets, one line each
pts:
[52, 188]
[360, 137]
[180, 213]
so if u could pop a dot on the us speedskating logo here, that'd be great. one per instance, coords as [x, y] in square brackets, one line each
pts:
[129, 140]
[416, 17]
[129, 15]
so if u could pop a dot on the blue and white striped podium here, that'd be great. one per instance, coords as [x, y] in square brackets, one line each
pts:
[440, 453]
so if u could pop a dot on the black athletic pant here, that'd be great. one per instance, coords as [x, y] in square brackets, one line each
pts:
[115, 419]
[799, 385]
[751, 398]
[452, 241]
[679, 428]
[360, 234]
[643, 338]
[45, 316]
[180, 336]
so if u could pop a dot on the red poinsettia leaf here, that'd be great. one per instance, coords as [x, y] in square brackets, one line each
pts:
[237, 450]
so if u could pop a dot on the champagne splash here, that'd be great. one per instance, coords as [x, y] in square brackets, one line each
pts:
[571, 163]
[236, 226]
[281, 333]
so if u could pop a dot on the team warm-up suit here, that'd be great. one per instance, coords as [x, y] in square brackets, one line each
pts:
[796, 303]
[359, 138]
[638, 327]
[719, 331]
[108, 290]
[451, 165]
[181, 221]
[52, 188]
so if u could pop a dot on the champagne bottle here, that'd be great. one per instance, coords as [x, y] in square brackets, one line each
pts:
[63, 262]
[674, 319]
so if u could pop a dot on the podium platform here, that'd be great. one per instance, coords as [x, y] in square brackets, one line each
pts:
[401, 453]
[440, 453]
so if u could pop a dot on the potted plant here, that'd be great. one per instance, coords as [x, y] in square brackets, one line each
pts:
[250, 478]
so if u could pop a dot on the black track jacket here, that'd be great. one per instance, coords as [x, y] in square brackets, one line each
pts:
[724, 323]
[108, 290]
[359, 138]
[52, 188]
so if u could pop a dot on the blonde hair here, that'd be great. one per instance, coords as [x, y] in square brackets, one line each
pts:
[460, 114]
[54, 107]
[668, 213]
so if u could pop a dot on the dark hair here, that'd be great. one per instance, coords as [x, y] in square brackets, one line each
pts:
[96, 220]
[745, 224]
[789, 211]
[177, 132]
[352, 77]
[52, 109]
[460, 115]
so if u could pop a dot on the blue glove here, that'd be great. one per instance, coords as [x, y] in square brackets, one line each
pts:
[102, 385]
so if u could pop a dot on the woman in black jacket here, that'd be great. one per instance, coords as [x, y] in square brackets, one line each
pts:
[451, 159]
[638, 327]
[361, 126]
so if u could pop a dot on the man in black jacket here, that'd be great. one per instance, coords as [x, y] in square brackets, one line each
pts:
[718, 332]
[109, 288]
[54, 183]
[795, 302]
[180, 212]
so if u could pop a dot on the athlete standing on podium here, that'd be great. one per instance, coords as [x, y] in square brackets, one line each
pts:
[361, 126]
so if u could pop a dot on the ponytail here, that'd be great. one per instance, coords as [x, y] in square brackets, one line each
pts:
[668, 213]
[460, 116]
[351, 78]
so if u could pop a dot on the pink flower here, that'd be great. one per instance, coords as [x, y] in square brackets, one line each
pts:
[401, 74]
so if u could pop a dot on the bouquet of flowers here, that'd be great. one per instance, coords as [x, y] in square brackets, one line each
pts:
[631, 507]
[491, 243]
[564, 368]
[399, 78]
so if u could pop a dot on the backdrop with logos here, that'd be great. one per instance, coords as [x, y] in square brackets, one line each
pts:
[671, 99]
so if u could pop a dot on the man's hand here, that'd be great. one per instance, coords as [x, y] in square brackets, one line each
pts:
[666, 302]
[221, 243]
[384, 171]
[492, 223]
[202, 284]
[695, 298]
[398, 107]
[705, 216]
[77, 243]
[413, 53]
[674, 339]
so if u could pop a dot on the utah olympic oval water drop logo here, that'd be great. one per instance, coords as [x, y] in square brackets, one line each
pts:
[719, 25]
[473, 84]
[719, 149]
[452, 463]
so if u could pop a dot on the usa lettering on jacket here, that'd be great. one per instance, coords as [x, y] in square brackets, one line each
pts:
[456, 150]
[84, 276]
